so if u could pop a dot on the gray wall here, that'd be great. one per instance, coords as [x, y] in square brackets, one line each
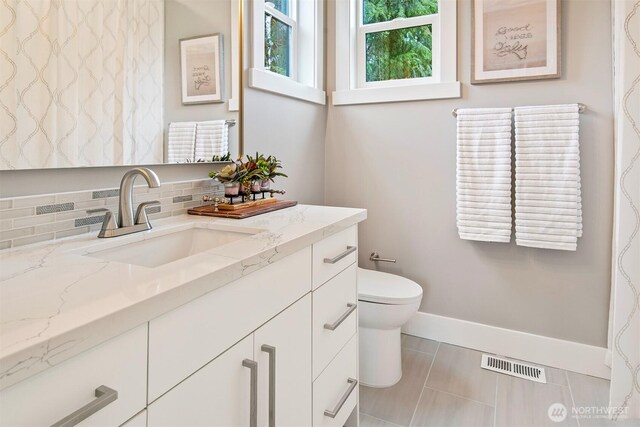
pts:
[191, 18]
[293, 131]
[398, 161]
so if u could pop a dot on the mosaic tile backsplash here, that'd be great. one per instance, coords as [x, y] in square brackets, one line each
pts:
[32, 219]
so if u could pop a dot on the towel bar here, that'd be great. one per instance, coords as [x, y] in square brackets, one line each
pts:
[230, 122]
[581, 109]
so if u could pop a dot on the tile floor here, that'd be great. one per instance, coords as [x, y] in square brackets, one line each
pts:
[443, 385]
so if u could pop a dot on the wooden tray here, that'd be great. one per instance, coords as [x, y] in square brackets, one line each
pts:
[242, 213]
[247, 204]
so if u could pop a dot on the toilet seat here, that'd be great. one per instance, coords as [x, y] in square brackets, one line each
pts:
[384, 288]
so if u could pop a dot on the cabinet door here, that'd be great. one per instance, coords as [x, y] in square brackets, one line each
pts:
[139, 420]
[284, 387]
[217, 395]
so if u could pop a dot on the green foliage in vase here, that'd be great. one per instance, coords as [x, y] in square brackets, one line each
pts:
[255, 168]
[402, 53]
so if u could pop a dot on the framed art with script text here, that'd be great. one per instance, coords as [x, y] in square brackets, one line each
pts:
[201, 69]
[515, 40]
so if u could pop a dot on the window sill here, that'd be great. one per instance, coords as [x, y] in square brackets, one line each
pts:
[271, 82]
[396, 93]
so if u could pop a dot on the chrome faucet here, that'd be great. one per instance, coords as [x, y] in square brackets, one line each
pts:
[125, 214]
[127, 222]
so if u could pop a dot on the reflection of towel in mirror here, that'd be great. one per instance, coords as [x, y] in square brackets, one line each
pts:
[212, 139]
[181, 142]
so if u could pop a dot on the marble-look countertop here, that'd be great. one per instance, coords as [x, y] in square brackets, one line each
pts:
[55, 302]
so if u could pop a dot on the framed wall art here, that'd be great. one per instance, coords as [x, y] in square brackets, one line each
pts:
[201, 67]
[515, 40]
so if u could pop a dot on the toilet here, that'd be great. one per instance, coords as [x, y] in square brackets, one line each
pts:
[385, 303]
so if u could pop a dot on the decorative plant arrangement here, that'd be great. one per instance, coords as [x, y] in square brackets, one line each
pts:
[249, 177]
[269, 167]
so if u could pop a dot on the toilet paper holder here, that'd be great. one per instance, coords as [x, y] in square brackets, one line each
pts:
[375, 257]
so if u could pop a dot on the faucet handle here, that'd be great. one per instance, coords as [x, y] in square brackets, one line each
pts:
[109, 222]
[141, 212]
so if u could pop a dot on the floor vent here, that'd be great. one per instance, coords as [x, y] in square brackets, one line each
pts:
[515, 369]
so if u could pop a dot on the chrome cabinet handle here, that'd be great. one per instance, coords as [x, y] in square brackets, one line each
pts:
[350, 250]
[332, 326]
[352, 385]
[271, 350]
[104, 396]
[253, 399]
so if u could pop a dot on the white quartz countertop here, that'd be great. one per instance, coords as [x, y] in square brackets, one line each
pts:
[55, 302]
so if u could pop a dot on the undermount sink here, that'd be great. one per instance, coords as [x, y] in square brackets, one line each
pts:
[166, 248]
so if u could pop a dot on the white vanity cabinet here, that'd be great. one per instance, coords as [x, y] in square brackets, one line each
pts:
[277, 347]
[267, 374]
[185, 339]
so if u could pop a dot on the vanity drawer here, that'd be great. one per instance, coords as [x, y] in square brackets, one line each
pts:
[120, 364]
[187, 338]
[334, 254]
[335, 318]
[335, 392]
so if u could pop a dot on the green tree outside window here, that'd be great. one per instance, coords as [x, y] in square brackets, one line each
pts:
[277, 37]
[403, 53]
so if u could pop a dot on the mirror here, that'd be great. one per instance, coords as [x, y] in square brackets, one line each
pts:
[100, 83]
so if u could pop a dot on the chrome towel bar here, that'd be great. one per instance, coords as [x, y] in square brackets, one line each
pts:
[581, 109]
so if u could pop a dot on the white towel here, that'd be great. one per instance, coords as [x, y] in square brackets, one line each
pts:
[483, 183]
[212, 139]
[548, 186]
[181, 142]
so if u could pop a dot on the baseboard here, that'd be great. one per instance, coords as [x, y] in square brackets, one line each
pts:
[572, 356]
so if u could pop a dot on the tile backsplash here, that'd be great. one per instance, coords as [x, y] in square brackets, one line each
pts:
[32, 219]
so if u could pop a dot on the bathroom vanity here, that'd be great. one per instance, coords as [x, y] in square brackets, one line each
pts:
[241, 323]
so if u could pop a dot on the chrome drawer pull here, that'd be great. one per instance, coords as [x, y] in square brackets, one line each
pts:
[332, 326]
[104, 396]
[271, 351]
[352, 385]
[253, 398]
[350, 250]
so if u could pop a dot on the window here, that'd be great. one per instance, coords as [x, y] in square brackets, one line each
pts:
[279, 35]
[395, 50]
[287, 43]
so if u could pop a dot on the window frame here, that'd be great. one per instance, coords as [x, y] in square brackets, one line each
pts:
[351, 84]
[307, 57]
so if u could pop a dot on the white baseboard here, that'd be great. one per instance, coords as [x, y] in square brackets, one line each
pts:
[572, 356]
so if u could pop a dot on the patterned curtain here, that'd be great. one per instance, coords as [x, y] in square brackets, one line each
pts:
[81, 83]
[625, 326]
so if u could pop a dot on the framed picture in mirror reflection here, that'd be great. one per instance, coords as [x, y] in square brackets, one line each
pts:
[201, 64]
